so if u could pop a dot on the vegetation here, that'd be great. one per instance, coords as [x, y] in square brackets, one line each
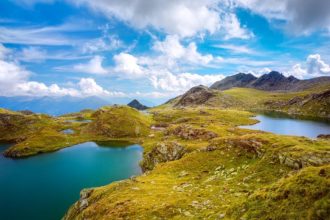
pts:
[34, 134]
[197, 164]
[217, 178]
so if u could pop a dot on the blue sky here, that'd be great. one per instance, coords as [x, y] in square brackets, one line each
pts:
[155, 49]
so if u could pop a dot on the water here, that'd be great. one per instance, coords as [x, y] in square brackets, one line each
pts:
[44, 186]
[279, 124]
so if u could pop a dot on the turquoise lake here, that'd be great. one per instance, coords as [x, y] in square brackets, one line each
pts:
[44, 186]
[280, 124]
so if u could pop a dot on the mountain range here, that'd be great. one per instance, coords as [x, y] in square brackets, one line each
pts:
[273, 81]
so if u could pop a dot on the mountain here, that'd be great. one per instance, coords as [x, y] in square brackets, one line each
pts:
[137, 105]
[273, 81]
[238, 80]
[52, 105]
[195, 96]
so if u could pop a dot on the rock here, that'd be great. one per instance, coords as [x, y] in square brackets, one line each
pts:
[324, 136]
[187, 132]
[83, 201]
[162, 152]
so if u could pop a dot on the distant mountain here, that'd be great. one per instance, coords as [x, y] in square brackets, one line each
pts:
[137, 105]
[52, 105]
[273, 81]
[238, 80]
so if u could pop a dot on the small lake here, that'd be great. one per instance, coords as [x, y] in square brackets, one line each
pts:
[44, 186]
[281, 124]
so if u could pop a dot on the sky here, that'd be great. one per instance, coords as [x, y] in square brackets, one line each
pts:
[155, 49]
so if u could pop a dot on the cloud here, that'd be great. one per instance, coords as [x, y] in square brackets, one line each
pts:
[313, 67]
[105, 43]
[45, 35]
[301, 16]
[3, 51]
[181, 82]
[15, 81]
[181, 17]
[239, 49]
[171, 48]
[32, 54]
[94, 66]
[231, 28]
[127, 64]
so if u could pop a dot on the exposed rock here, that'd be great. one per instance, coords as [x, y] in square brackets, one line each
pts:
[324, 136]
[187, 132]
[137, 105]
[162, 152]
[309, 159]
[83, 201]
[195, 96]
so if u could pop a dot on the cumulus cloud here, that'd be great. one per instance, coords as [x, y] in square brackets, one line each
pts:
[172, 49]
[183, 81]
[128, 64]
[313, 67]
[94, 66]
[301, 16]
[15, 81]
[183, 17]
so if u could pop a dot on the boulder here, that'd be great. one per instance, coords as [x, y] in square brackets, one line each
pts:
[162, 152]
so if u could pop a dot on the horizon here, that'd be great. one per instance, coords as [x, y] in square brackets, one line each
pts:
[115, 50]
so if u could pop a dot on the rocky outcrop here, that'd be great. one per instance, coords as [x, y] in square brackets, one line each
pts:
[195, 96]
[301, 161]
[187, 132]
[162, 152]
[324, 136]
[316, 104]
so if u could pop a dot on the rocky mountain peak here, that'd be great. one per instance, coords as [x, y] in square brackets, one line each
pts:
[195, 96]
[137, 105]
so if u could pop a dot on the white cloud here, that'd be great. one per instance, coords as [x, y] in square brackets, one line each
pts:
[302, 17]
[316, 66]
[161, 69]
[313, 67]
[239, 49]
[3, 51]
[182, 17]
[15, 81]
[94, 66]
[44, 35]
[32, 54]
[232, 28]
[105, 43]
[181, 82]
[89, 87]
[128, 65]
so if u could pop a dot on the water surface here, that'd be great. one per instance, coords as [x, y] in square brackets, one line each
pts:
[280, 124]
[44, 186]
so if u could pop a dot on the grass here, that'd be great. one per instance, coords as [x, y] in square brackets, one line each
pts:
[215, 184]
[240, 174]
